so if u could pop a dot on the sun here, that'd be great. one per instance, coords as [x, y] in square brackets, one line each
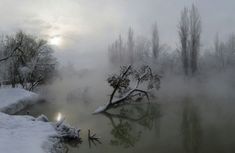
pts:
[55, 40]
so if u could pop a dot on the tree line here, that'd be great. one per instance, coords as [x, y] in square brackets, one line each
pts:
[187, 58]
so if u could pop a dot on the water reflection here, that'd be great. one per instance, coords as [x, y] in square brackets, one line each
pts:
[124, 131]
[93, 139]
[191, 127]
[58, 117]
[63, 145]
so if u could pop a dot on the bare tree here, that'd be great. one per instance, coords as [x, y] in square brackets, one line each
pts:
[134, 50]
[195, 34]
[184, 36]
[142, 50]
[190, 33]
[117, 52]
[130, 45]
[219, 52]
[230, 50]
[121, 49]
[155, 42]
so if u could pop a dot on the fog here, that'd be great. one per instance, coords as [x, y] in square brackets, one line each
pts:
[88, 27]
[189, 45]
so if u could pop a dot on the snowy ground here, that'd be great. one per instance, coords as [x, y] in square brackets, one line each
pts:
[15, 99]
[22, 134]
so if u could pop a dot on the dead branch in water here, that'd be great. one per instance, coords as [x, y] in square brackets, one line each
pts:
[92, 138]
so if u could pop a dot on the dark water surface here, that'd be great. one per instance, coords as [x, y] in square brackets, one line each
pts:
[185, 125]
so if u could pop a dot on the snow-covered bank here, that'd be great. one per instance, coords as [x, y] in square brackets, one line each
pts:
[24, 134]
[15, 99]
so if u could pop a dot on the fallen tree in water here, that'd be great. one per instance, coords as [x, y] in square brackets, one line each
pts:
[128, 84]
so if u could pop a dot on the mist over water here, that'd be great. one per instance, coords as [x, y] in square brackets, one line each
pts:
[187, 114]
[191, 112]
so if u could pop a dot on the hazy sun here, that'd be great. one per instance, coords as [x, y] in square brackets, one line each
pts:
[55, 40]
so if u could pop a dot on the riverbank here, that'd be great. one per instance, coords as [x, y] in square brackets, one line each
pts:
[22, 134]
[13, 100]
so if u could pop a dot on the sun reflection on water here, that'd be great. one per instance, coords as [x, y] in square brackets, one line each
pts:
[59, 117]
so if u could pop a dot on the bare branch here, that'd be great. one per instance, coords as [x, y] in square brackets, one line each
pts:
[124, 91]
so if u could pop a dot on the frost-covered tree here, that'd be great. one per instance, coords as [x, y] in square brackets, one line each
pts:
[12, 56]
[29, 60]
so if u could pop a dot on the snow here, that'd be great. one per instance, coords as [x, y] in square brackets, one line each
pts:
[100, 109]
[15, 99]
[24, 134]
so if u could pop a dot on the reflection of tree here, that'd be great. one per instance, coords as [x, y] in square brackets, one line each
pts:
[123, 132]
[191, 127]
[63, 145]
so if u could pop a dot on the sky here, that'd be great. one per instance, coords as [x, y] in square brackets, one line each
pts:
[82, 29]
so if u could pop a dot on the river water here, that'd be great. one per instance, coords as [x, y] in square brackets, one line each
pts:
[183, 125]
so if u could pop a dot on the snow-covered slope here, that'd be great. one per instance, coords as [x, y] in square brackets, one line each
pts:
[26, 134]
[15, 99]
[23, 134]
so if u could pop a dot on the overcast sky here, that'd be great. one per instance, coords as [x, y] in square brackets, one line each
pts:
[88, 26]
